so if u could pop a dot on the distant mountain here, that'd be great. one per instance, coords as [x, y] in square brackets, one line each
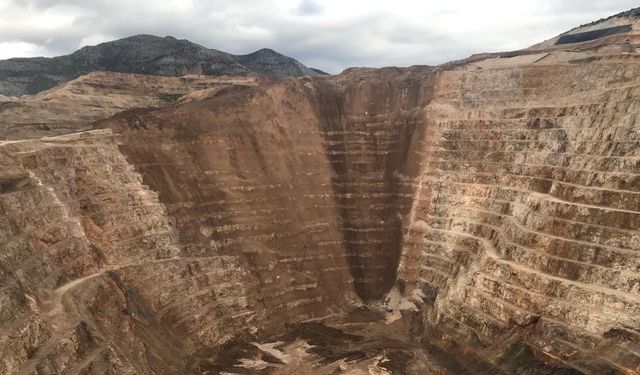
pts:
[142, 54]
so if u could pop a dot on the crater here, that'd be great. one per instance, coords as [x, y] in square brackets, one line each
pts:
[478, 217]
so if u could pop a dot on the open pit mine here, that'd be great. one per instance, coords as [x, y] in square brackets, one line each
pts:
[477, 217]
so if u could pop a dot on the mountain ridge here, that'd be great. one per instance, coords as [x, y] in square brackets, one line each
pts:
[143, 54]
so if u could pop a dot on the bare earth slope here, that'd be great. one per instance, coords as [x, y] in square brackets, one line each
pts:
[473, 218]
[73, 106]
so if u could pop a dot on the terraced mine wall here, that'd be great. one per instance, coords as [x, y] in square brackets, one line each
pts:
[527, 215]
[73, 106]
[499, 199]
[369, 127]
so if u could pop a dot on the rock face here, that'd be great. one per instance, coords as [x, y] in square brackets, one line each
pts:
[142, 54]
[479, 217]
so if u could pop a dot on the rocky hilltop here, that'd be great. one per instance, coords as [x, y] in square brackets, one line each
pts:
[142, 54]
[479, 217]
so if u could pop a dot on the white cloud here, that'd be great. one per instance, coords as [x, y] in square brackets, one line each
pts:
[21, 49]
[327, 34]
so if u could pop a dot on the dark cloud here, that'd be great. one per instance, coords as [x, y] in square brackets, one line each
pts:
[329, 34]
[309, 8]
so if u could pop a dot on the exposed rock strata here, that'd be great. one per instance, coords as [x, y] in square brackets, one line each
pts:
[524, 221]
[491, 206]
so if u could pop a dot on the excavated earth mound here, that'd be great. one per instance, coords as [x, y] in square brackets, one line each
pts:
[73, 106]
[479, 217]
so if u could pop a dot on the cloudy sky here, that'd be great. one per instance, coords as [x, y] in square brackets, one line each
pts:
[326, 34]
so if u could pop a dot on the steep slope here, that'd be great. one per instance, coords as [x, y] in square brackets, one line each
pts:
[524, 222]
[479, 217]
[141, 54]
